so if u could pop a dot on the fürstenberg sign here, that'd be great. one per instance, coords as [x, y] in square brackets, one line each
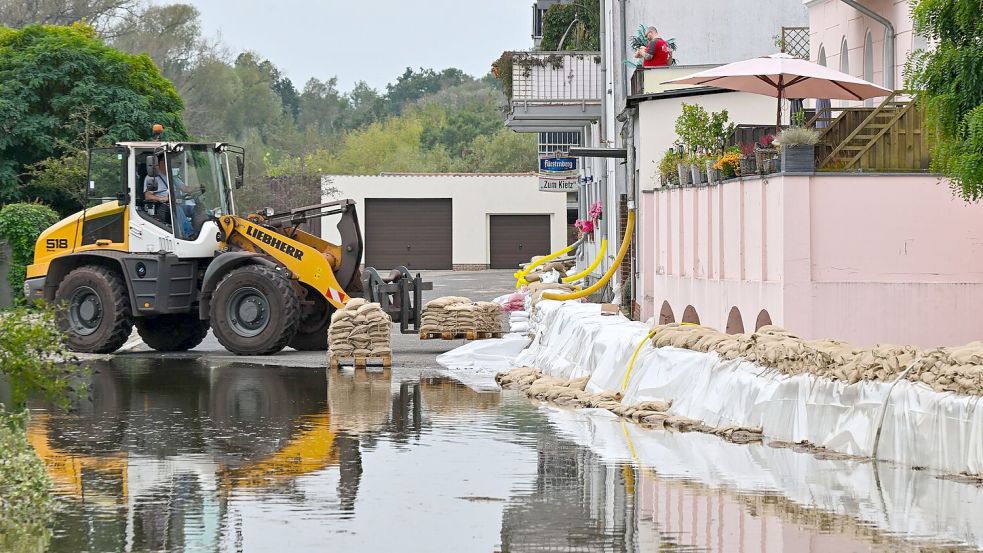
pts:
[558, 174]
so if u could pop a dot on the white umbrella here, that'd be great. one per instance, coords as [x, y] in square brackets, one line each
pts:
[783, 76]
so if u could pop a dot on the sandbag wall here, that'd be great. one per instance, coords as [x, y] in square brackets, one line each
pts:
[921, 426]
[360, 329]
[456, 315]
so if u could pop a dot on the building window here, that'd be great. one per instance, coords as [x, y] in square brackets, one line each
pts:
[844, 57]
[821, 60]
[869, 63]
[551, 142]
[537, 21]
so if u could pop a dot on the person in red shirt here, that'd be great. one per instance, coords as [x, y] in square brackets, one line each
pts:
[657, 52]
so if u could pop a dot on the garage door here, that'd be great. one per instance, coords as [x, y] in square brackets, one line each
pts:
[412, 232]
[517, 238]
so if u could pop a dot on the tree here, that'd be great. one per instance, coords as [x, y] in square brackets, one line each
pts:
[99, 13]
[50, 74]
[504, 152]
[949, 78]
[412, 86]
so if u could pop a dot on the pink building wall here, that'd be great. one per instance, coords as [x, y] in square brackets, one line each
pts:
[864, 258]
[831, 22]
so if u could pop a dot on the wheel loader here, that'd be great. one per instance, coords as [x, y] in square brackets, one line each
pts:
[174, 268]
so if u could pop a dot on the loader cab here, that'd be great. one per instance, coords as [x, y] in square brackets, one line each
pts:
[197, 178]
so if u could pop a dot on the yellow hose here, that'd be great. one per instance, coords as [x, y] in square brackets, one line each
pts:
[520, 276]
[631, 364]
[607, 276]
[590, 269]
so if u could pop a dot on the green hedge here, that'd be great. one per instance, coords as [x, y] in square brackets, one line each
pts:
[25, 500]
[20, 226]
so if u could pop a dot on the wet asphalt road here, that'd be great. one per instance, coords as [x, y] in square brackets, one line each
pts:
[408, 350]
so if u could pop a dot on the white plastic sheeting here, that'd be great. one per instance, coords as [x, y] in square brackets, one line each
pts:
[890, 498]
[921, 427]
[475, 364]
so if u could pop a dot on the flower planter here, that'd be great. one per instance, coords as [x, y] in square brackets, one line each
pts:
[749, 165]
[764, 158]
[685, 177]
[800, 158]
[698, 174]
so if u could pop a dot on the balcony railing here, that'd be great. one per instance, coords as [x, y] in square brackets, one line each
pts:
[648, 80]
[556, 77]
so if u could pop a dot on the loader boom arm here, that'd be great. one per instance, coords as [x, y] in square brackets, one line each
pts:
[310, 259]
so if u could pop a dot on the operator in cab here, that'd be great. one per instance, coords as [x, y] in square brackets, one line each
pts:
[158, 189]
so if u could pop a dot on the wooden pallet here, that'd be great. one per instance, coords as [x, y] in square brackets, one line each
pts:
[462, 335]
[360, 362]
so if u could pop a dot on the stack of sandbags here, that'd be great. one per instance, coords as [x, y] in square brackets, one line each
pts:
[946, 369]
[360, 329]
[537, 289]
[457, 314]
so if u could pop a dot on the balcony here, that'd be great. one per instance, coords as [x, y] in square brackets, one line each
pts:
[552, 91]
[648, 80]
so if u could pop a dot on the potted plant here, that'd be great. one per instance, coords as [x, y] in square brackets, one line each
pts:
[764, 154]
[669, 168]
[798, 149]
[713, 176]
[729, 164]
[748, 163]
[697, 168]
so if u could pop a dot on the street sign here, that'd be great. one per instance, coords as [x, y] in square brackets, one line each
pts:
[562, 184]
[550, 166]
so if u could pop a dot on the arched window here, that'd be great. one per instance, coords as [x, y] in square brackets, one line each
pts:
[821, 59]
[869, 63]
[666, 316]
[690, 315]
[844, 57]
[764, 319]
[735, 324]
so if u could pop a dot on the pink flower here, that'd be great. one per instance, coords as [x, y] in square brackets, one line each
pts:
[594, 213]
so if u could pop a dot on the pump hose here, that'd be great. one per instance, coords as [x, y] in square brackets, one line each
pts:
[520, 276]
[607, 276]
[591, 267]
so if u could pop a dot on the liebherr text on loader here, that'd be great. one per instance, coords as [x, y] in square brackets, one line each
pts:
[174, 263]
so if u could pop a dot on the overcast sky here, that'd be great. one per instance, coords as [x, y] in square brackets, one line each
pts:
[370, 40]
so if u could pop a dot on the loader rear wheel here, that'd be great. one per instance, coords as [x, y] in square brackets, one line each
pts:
[254, 311]
[312, 333]
[96, 315]
[172, 332]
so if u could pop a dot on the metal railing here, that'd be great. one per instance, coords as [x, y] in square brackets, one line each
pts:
[556, 77]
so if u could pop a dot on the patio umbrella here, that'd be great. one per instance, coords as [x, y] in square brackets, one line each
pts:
[783, 76]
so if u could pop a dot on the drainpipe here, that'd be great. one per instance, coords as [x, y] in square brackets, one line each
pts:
[621, 48]
[601, 126]
[891, 39]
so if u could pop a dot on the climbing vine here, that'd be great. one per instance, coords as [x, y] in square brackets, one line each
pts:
[20, 226]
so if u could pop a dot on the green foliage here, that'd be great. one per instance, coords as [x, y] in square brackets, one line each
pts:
[25, 501]
[412, 86]
[668, 166]
[949, 80]
[20, 226]
[503, 152]
[51, 73]
[33, 357]
[700, 131]
[583, 35]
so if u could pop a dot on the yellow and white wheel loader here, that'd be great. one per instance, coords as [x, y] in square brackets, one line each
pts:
[174, 263]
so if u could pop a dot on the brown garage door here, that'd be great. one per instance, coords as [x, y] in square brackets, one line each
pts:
[412, 232]
[517, 238]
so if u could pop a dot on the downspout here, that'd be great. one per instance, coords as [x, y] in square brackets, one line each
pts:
[892, 39]
[625, 84]
[601, 127]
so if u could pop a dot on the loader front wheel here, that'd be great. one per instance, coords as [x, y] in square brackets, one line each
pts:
[172, 332]
[96, 314]
[254, 311]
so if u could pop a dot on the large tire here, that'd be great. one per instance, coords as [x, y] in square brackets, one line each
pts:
[312, 332]
[254, 311]
[172, 332]
[95, 313]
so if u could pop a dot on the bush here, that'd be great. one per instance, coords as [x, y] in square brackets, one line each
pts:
[20, 226]
[33, 357]
[25, 502]
[668, 166]
[797, 136]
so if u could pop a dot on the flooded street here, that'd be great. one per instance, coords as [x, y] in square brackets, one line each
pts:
[195, 455]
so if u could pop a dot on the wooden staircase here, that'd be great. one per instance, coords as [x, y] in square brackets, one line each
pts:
[886, 138]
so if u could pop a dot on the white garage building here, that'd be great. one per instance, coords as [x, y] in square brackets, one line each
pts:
[452, 221]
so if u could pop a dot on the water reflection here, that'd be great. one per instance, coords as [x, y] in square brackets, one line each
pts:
[184, 456]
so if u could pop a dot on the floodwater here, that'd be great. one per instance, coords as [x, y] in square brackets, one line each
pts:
[183, 455]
